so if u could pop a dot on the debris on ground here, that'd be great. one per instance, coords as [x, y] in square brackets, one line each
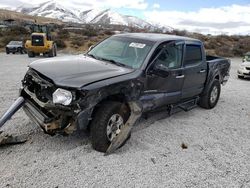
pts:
[184, 146]
[8, 139]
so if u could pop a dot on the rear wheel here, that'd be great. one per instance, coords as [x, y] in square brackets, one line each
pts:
[107, 123]
[52, 52]
[31, 54]
[210, 100]
[55, 50]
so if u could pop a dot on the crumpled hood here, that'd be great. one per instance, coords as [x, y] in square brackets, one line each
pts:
[77, 71]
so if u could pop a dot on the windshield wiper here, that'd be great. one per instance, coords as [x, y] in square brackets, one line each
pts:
[93, 56]
[108, 60]
[114, 62]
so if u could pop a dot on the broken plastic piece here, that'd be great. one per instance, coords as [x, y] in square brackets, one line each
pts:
[7, 139]
[125, 130]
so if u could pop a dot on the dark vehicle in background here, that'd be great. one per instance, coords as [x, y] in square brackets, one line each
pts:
[124, 75]
[15, 47]
[244, 68]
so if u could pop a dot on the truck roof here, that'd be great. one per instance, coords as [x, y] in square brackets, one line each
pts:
[155, 37]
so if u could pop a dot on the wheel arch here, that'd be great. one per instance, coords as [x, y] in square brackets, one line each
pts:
[118, 97]
[210, 80]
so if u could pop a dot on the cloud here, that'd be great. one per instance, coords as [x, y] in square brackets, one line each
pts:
[156, 5]
[232, 19]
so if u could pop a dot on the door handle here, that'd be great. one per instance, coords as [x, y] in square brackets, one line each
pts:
[180, 76]
[202, 71]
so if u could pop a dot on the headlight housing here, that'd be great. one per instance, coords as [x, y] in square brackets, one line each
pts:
[62, 96]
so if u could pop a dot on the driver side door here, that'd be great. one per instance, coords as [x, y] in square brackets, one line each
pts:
[164, 79]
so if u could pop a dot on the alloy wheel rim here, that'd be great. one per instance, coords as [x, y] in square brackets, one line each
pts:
[214, 94]
[114, 126]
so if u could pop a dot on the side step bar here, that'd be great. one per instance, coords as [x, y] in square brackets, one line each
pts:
[188, 105]
[185, 106]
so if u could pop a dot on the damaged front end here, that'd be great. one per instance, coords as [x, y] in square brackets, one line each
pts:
[38, 92]
[63, 110]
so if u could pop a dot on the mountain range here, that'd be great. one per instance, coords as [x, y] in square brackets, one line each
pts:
[52, 9]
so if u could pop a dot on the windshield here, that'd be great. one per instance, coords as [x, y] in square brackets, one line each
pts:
[247, 57]
[123, 51]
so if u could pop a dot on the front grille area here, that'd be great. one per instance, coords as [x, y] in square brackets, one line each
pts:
[37, 40]
[42, 88]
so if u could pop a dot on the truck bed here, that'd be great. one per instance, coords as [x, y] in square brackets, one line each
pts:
[218, 63]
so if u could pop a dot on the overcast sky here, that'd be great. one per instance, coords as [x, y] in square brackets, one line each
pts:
[216, 16]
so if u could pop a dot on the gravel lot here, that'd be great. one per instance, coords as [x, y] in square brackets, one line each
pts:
[218, 142]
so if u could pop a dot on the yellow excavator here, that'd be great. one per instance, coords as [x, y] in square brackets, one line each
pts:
[41, 42]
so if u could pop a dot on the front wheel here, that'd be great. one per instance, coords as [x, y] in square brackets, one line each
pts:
[31, 54]
[210, 100]
[107, 123]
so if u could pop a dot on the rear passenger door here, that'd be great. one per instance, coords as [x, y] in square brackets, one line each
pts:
[195, 70]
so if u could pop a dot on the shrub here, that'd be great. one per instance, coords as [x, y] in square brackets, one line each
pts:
[108, 32]
[77, 41]
[60, 43]
[63, 34]
[90, 44]
[18, 30]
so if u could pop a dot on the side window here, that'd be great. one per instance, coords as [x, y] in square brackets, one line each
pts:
[193, 54]
[171, 57]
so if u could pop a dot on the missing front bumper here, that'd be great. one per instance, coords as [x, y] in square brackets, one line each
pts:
[50, 125]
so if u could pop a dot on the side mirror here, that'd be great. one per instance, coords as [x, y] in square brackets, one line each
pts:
[91, 47]
[160, 70]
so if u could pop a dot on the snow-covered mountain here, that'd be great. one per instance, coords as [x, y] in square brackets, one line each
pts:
[52, 9]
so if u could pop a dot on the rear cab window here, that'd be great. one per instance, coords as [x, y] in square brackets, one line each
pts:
[193, 54]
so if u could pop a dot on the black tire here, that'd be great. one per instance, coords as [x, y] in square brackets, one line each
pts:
[208, 101]
[20, 50]
[99, 124]
[7, 52]
[31, 54]
[13, 52]
[240, 77]
[55, 50]
[51, 52]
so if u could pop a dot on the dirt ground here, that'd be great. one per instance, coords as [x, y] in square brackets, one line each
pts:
[217, 140]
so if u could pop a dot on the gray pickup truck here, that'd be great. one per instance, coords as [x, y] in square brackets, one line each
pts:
[107, 89]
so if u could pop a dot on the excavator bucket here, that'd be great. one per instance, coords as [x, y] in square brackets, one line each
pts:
[125, 130]
[7, 138]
